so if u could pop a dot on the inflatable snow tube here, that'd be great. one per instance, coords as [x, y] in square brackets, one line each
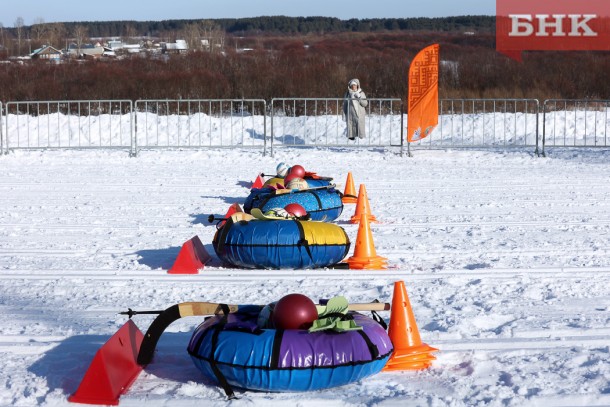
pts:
[237, 352]
[318, 182]
[280, 244]
[311, 182]
[321, 204]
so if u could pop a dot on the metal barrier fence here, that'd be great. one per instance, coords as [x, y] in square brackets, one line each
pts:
[469, 123]
[1, 131]
[201, 123]
[318, 122]
[69, 124]
[575, 123]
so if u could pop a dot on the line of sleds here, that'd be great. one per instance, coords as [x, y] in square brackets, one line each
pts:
[286, 224]
[289, 345]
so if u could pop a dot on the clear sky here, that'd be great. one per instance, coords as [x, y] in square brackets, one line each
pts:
[104, 10]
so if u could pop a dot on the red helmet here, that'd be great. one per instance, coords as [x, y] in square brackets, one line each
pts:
[297, 171]
[294, 311]
[289, 178]
[296, 210]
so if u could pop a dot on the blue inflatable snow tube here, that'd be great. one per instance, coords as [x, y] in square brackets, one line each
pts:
[237, 352]
[318, 182]
[311, 182]
[322, 204]
[280, 244]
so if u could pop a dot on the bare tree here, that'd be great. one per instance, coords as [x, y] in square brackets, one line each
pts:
[130, 33]
[19, 31]
[57, 35]
[192, 36]
[213, 34]
[39, 31]
[80, 36]
[2, 44]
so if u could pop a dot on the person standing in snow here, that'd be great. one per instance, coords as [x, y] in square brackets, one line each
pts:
[354, 104]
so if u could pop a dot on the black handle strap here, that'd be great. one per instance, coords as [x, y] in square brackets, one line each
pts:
[219, 376]
[149, 343]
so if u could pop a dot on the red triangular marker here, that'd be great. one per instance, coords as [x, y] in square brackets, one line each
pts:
[191, 258]
[234, 208]
[258, 183]
[113, 369]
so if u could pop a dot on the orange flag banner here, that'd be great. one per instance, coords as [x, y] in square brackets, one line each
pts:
[423, 94]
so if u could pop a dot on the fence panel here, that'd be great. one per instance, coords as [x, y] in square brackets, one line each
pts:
[576, 123]
[69, 124]
[201, 123]
[319, 122]
[478, 123]
[484, 123]
[1, 130]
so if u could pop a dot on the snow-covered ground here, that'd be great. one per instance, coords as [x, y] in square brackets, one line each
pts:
[505, 256]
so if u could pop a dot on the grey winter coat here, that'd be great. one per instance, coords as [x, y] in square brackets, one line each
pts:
[354, 104]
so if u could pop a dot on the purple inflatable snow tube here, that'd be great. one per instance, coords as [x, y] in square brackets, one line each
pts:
[245, 356]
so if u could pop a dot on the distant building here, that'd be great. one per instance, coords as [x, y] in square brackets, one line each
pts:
[132, 48]
[48, 53]
[178, 47]
[85, 51]
[115, 45]
[108, 52]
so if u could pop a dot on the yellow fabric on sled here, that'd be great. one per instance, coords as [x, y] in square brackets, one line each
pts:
[322, 233]
[273, 182]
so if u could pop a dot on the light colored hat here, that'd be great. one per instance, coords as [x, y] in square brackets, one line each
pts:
[297, 183]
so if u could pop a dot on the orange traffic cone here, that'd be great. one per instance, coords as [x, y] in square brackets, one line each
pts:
[365, 256]
[349, 194]
[363, 207]
[409, 351]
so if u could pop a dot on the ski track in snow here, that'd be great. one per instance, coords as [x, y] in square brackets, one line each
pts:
[505, 257]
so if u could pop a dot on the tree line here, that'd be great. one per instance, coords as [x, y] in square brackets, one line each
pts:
[22, 39]
[265, 24]
[316, 66]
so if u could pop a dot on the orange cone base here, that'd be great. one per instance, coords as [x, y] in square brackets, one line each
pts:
[392, 367]
[356, 218]
[367, 263]
[414, 351]
[424, 358]
[349, 199]
[414, 358]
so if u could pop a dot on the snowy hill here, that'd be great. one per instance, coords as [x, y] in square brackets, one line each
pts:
[505, 257]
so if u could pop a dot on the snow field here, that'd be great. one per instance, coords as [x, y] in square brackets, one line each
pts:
[504, 255]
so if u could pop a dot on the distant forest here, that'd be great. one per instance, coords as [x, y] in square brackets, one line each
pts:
[270, 57]
[285, 25]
